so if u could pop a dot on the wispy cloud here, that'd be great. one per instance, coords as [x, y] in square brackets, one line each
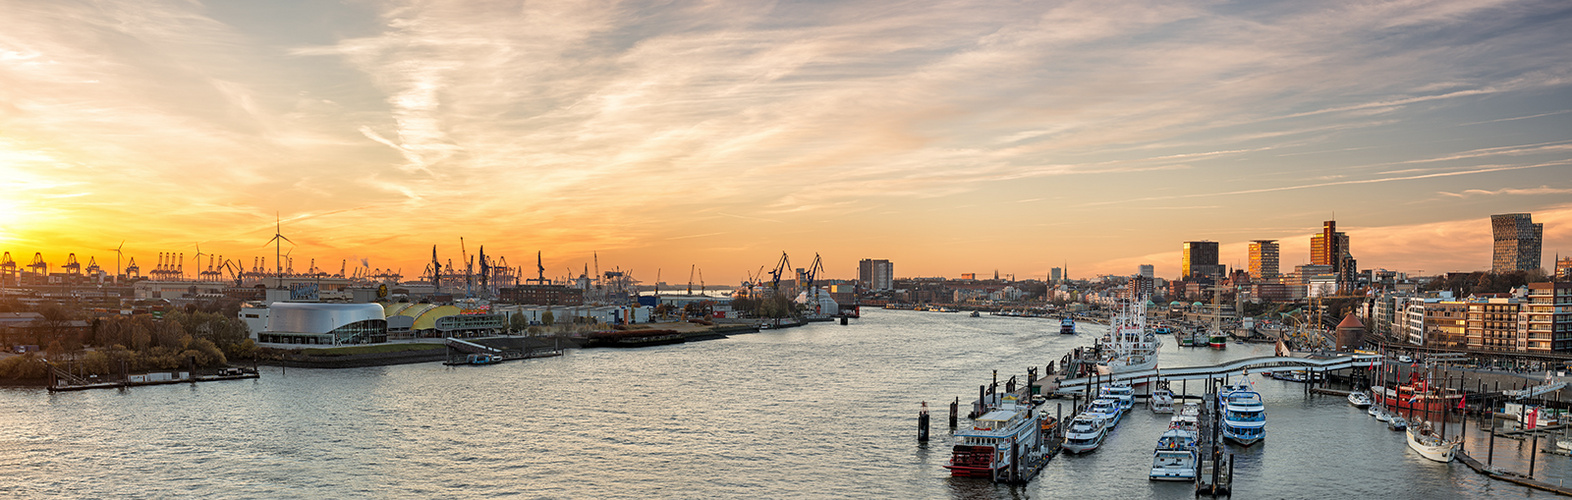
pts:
[1541, 190]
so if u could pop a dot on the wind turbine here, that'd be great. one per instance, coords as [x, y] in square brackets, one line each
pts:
[117, 260]
[278, 248]
[199, 255]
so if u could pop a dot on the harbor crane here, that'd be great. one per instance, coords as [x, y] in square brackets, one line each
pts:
[92, 265]
[780, 269]
[7, 268]
[38, 266]
[72, 266]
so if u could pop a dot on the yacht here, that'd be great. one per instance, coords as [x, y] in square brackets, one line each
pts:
[1244, 416]
[1175, 458]
[1359, 399]
[1085, 433]
[1424, 440]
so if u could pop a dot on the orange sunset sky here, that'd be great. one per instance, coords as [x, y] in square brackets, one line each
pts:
[947, 137]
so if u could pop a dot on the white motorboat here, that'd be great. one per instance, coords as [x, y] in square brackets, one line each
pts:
[1373, 410]
[1359, 399]
[1161, 401]
[1382, 415]
[1429, 445]
[1085, 433]
[1397, 423]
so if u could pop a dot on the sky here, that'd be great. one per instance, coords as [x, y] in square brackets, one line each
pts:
[660, 137]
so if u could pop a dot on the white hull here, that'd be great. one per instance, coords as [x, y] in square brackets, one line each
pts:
[1119, 366]
[1442, 452]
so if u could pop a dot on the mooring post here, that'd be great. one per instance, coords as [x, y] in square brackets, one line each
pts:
[955, 409]
[922, 423]
[1533, 452]
[1490, 456]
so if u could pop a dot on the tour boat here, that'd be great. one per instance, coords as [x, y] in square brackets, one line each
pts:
[1129, 347]
[1161, 401]
[1067, 326]
[1424, 440]
[1359, 399]
[1121, 392]
[985, 449]
[1107, 409]
[1085, 433]
[1175, 458]
[1244, 416]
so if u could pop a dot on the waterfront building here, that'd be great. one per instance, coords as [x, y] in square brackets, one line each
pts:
[1546, 317]
[1264, 261]
[876, 274]
[1386, 310]
[555, 295]
[1517, 242]
[1199, 259]
[318, 323]
[1492, 324]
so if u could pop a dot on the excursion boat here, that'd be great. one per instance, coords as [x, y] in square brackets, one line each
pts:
[1188, 418]
[1121, 392]
[1175, 458]
[1244, 416]
[1424, 440]
[1413, 397]
[985, 449]
[1128, 347]
[1067, 326]
[1107, 409]
[1085, 433]
[1161, 401]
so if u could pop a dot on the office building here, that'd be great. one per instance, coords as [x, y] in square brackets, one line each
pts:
[1199, 259]
[1263, 261]
[1147, 271]
[876, 274]
[1517, 242]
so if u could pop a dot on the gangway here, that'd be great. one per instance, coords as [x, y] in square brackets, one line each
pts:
[1534, 391]
[471, 347]
[1081, 384]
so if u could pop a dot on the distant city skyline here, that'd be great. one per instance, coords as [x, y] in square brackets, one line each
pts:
[950, 139]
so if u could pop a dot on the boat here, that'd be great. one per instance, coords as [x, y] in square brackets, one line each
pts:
[1175, 458]
[478, 359]
[1067, 326]
[1217, 339]
[1373, 410]
[1382, 415]
[1128, 346]
[1121, 392]
[1161, 401]
[1244, 416]
[976, 314]
[1414, 397]
[1359, 399]
[633, 338]
[1288, 376]
[1188, 418]
[1085, 433]
[985, 449]
[1397, 423]
[1107, 409]
[1424, 440]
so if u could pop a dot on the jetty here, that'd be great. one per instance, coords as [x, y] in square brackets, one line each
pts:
[1076, 385]
[1215, 475]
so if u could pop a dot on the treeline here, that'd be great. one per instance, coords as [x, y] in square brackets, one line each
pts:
[139, 343]
[1465, 284]
[774, 306]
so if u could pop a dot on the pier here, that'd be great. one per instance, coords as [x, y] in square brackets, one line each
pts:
[1312, 365]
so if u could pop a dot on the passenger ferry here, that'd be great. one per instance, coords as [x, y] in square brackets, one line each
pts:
[1121, 392]
[985, 449]
[1085, 433]
[1244, 416]
[1067, 326]
[1106, 409]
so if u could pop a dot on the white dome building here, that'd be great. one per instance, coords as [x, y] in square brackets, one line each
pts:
[324, 323]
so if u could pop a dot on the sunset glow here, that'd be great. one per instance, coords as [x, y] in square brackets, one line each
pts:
[947, 138]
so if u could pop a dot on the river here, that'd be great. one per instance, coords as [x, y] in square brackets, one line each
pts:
[822, 411]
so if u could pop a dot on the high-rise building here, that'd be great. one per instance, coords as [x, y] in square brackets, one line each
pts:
[1147, 271]
[876, 274]
[1263, 261]
[1200, 258]
[1055, 274]
[1563, 268]
[1517, 242]
[1331, 249]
